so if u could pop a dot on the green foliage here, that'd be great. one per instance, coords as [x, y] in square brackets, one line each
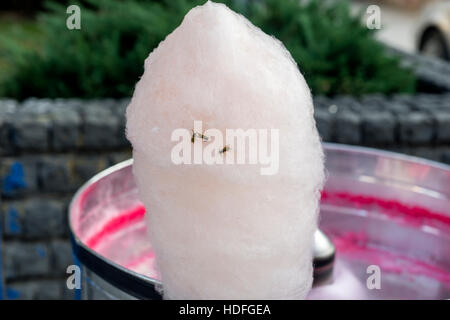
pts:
[105, 58]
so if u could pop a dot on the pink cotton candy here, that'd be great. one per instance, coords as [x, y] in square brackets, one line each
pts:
[227, 231]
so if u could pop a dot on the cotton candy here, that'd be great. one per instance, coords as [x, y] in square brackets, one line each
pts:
[226, 231]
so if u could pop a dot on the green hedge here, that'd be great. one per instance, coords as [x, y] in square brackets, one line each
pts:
[105, 58]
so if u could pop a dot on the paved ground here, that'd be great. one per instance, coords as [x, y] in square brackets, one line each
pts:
[398, 26]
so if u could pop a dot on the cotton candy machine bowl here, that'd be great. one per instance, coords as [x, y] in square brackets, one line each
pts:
[387, 214]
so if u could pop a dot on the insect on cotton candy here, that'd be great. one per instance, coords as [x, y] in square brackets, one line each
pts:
[226, 231]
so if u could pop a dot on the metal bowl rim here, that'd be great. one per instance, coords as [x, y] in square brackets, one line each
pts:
[79, 245]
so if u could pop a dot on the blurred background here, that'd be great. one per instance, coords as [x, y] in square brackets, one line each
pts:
[63, 94]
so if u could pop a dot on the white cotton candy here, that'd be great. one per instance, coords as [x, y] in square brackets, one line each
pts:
[226, 231]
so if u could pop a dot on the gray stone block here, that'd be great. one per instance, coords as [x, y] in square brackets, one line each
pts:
[398, 108]
[445, 155]
[55, 174]
[67, 294]
[43, 218]
[37, 105]
[416, 128]
[348, 127]
[373, 102]
[122, 140]
[345, 102]
[442, 119]
[426, 102]
[324, 123]
[6, 145]
[61, 256]
[66, 126]
[119, 110]
[100, 128]
[378, 128]
[35, 290]
[429, 153]
[8, 105]
[30, 126]
[8, 108]
[445, 101]
[86, 167]
[25, 260]
[403, 98]
[321, 102]
[116, 157]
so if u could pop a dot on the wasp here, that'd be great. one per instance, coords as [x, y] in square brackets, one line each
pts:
[225, 149]
[198, 135]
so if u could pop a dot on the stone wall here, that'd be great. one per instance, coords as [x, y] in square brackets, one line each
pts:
[48, 148]
[417, 125]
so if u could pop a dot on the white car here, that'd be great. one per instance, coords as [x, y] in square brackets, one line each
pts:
[433, 33]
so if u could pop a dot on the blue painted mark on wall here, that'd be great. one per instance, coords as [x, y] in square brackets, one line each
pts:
[41, 252]
[12, 221]
[12, 294]
[1, 261]
[14, 180]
